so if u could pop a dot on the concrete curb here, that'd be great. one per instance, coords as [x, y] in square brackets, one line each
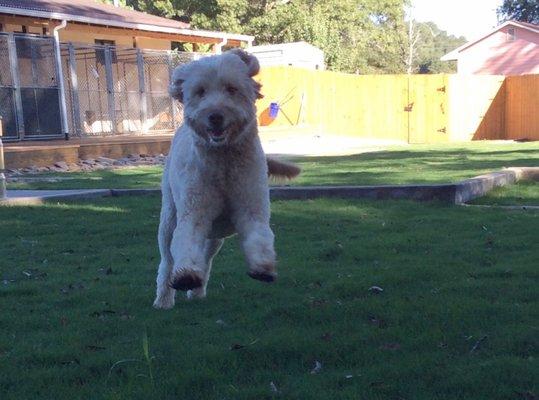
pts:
[133, 192]
[457, 193]
[36, 197]
[478, 186]
[488, 206]
[444, 192]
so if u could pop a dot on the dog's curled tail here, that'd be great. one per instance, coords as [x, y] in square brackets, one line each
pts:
[280, 169]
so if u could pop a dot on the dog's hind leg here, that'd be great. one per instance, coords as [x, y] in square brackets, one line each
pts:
[211, 249]
[167, 224]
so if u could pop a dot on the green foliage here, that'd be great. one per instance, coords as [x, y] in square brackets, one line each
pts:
[433, 44]
[363, 36]
[358, 36]
[521, 10]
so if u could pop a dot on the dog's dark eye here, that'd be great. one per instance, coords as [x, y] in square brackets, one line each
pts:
[231, 89]
[200, 92]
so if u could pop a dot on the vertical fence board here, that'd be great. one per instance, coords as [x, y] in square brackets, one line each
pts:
[428, 103]
[476, 107]
[522, 107]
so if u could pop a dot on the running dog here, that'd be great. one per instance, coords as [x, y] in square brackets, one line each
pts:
[215, 181]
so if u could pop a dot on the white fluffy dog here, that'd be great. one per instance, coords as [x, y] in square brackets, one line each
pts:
[215, 181]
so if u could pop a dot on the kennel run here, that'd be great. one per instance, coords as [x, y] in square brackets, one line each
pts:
[107, 90]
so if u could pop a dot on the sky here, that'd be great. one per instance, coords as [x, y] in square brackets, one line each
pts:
[468, 18]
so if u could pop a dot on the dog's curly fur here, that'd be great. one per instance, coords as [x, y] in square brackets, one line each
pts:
[215, 181]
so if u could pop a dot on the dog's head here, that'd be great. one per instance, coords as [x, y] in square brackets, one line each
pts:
[218, 94]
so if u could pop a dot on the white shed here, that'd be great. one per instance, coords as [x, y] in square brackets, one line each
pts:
[296, 54]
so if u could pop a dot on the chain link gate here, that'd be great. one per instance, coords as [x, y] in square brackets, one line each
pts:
[111, 91]
[40, 95]
[7, 91]
[29, 92]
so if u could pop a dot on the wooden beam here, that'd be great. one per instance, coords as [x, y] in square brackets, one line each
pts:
[102, 30]
[26, 21]
[106, 30]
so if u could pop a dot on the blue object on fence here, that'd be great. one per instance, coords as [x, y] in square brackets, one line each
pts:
[273, 110]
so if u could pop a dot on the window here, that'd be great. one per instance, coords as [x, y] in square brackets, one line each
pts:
[510, 34]
[100, 52]
[178, 46]
[104, 42]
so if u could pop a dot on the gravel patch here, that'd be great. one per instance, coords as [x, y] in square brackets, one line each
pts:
[87, 165]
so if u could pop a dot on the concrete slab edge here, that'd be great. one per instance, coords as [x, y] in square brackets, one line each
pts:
[37, 200]
[457, 193]
[479, 186]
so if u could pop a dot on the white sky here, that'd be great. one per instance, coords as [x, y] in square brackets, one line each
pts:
[468, 18]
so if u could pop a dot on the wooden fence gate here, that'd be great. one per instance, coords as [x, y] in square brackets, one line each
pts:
[428, 109]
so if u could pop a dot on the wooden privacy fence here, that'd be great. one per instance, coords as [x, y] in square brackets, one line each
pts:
[411, 108]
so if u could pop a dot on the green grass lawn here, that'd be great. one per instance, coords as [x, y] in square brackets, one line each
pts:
[457, 318]
[397, 165]
[524, 193]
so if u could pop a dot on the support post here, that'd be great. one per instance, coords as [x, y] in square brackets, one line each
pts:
[3, 191]
[110, 89]
[75, 101]
[172, 104]
[14, 67]
[142, 91]
[60, 79]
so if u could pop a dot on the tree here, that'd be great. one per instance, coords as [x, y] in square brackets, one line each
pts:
[433, 44]
[520, 10]
[365, 36]
[356, 35]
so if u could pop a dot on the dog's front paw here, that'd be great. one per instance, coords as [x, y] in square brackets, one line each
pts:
[163, 302]
[186, 279]
[265, 273]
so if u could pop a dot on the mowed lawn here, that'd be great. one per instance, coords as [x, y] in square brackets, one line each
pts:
[457, 318]
[525, 193]
[395, 165]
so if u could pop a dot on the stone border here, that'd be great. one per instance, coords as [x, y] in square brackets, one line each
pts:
[457, 193]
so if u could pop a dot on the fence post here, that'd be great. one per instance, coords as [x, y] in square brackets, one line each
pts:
[14, 67]
[110, 89]
[75, 101]
[142, 91]
[61, 88]
[172, 104]
[3, 192]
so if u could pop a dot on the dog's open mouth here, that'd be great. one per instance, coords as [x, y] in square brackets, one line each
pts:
[217, 136]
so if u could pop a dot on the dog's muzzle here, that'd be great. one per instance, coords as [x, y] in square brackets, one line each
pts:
[217, 131]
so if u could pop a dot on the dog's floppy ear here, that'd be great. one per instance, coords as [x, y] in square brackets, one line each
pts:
[258, 89]
[179, 75]
[253, 67]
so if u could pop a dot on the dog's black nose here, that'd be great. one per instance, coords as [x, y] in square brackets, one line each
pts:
[216, 120]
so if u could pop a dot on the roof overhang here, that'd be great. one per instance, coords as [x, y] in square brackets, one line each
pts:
[454, 55]
[126, 25]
